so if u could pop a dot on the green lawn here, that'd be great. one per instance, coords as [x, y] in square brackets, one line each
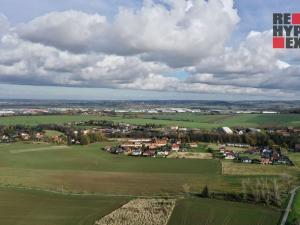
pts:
[202, 147]
[217, 212]
[190, 120]
[51, 133]
[20, 207]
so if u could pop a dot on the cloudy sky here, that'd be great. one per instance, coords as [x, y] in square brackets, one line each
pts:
[145, 49]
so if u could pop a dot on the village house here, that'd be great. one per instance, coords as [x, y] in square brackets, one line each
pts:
[245, 160]
[24, 136]
[283, 160]
[85, 132]
[158, 143]
[148, 153]
[222, 149]
[229, 154]
[162, 153]
[141, 140]
[266, 161]
[39, 135]
[161, 142]
[174, 128]
[136, 152]
[175, 147]
[193, 145]
[59, 139]
[132, 145]
[5, 139]
[239, 145]
[183, 129]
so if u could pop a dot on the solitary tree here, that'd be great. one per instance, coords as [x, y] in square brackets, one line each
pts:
[205, 192]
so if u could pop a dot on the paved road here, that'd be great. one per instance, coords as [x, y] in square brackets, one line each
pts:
[288, 208]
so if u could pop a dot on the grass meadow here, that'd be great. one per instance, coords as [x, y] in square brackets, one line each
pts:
[218, 212]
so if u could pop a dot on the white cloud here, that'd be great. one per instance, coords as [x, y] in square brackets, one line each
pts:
[171, 34]
[139, 47]
[26, 62]
[161, 83]
[68, 30]
[254, 63]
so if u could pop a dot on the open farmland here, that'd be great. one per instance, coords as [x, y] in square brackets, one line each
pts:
[233, 168]
[89, 169]
[232, 120]
[37, 207]
[183, 119]
[217, 212]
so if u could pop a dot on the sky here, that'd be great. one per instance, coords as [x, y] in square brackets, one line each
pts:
[145, 50]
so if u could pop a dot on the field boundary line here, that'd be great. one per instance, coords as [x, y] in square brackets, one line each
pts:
[89, 194]
[110, 212]
[169, 217]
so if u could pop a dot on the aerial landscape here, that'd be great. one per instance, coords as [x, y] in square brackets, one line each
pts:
[149, 112]
[113, 163]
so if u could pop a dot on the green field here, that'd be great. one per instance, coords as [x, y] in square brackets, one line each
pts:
[188, 120]
[29, 207]
[41, 208]
[89, 169]
[295, 213]
[217, 212]
[79, 170]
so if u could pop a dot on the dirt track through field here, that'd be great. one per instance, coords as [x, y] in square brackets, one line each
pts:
[38, 149]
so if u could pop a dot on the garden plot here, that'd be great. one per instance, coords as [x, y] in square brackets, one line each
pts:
[140, 212]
